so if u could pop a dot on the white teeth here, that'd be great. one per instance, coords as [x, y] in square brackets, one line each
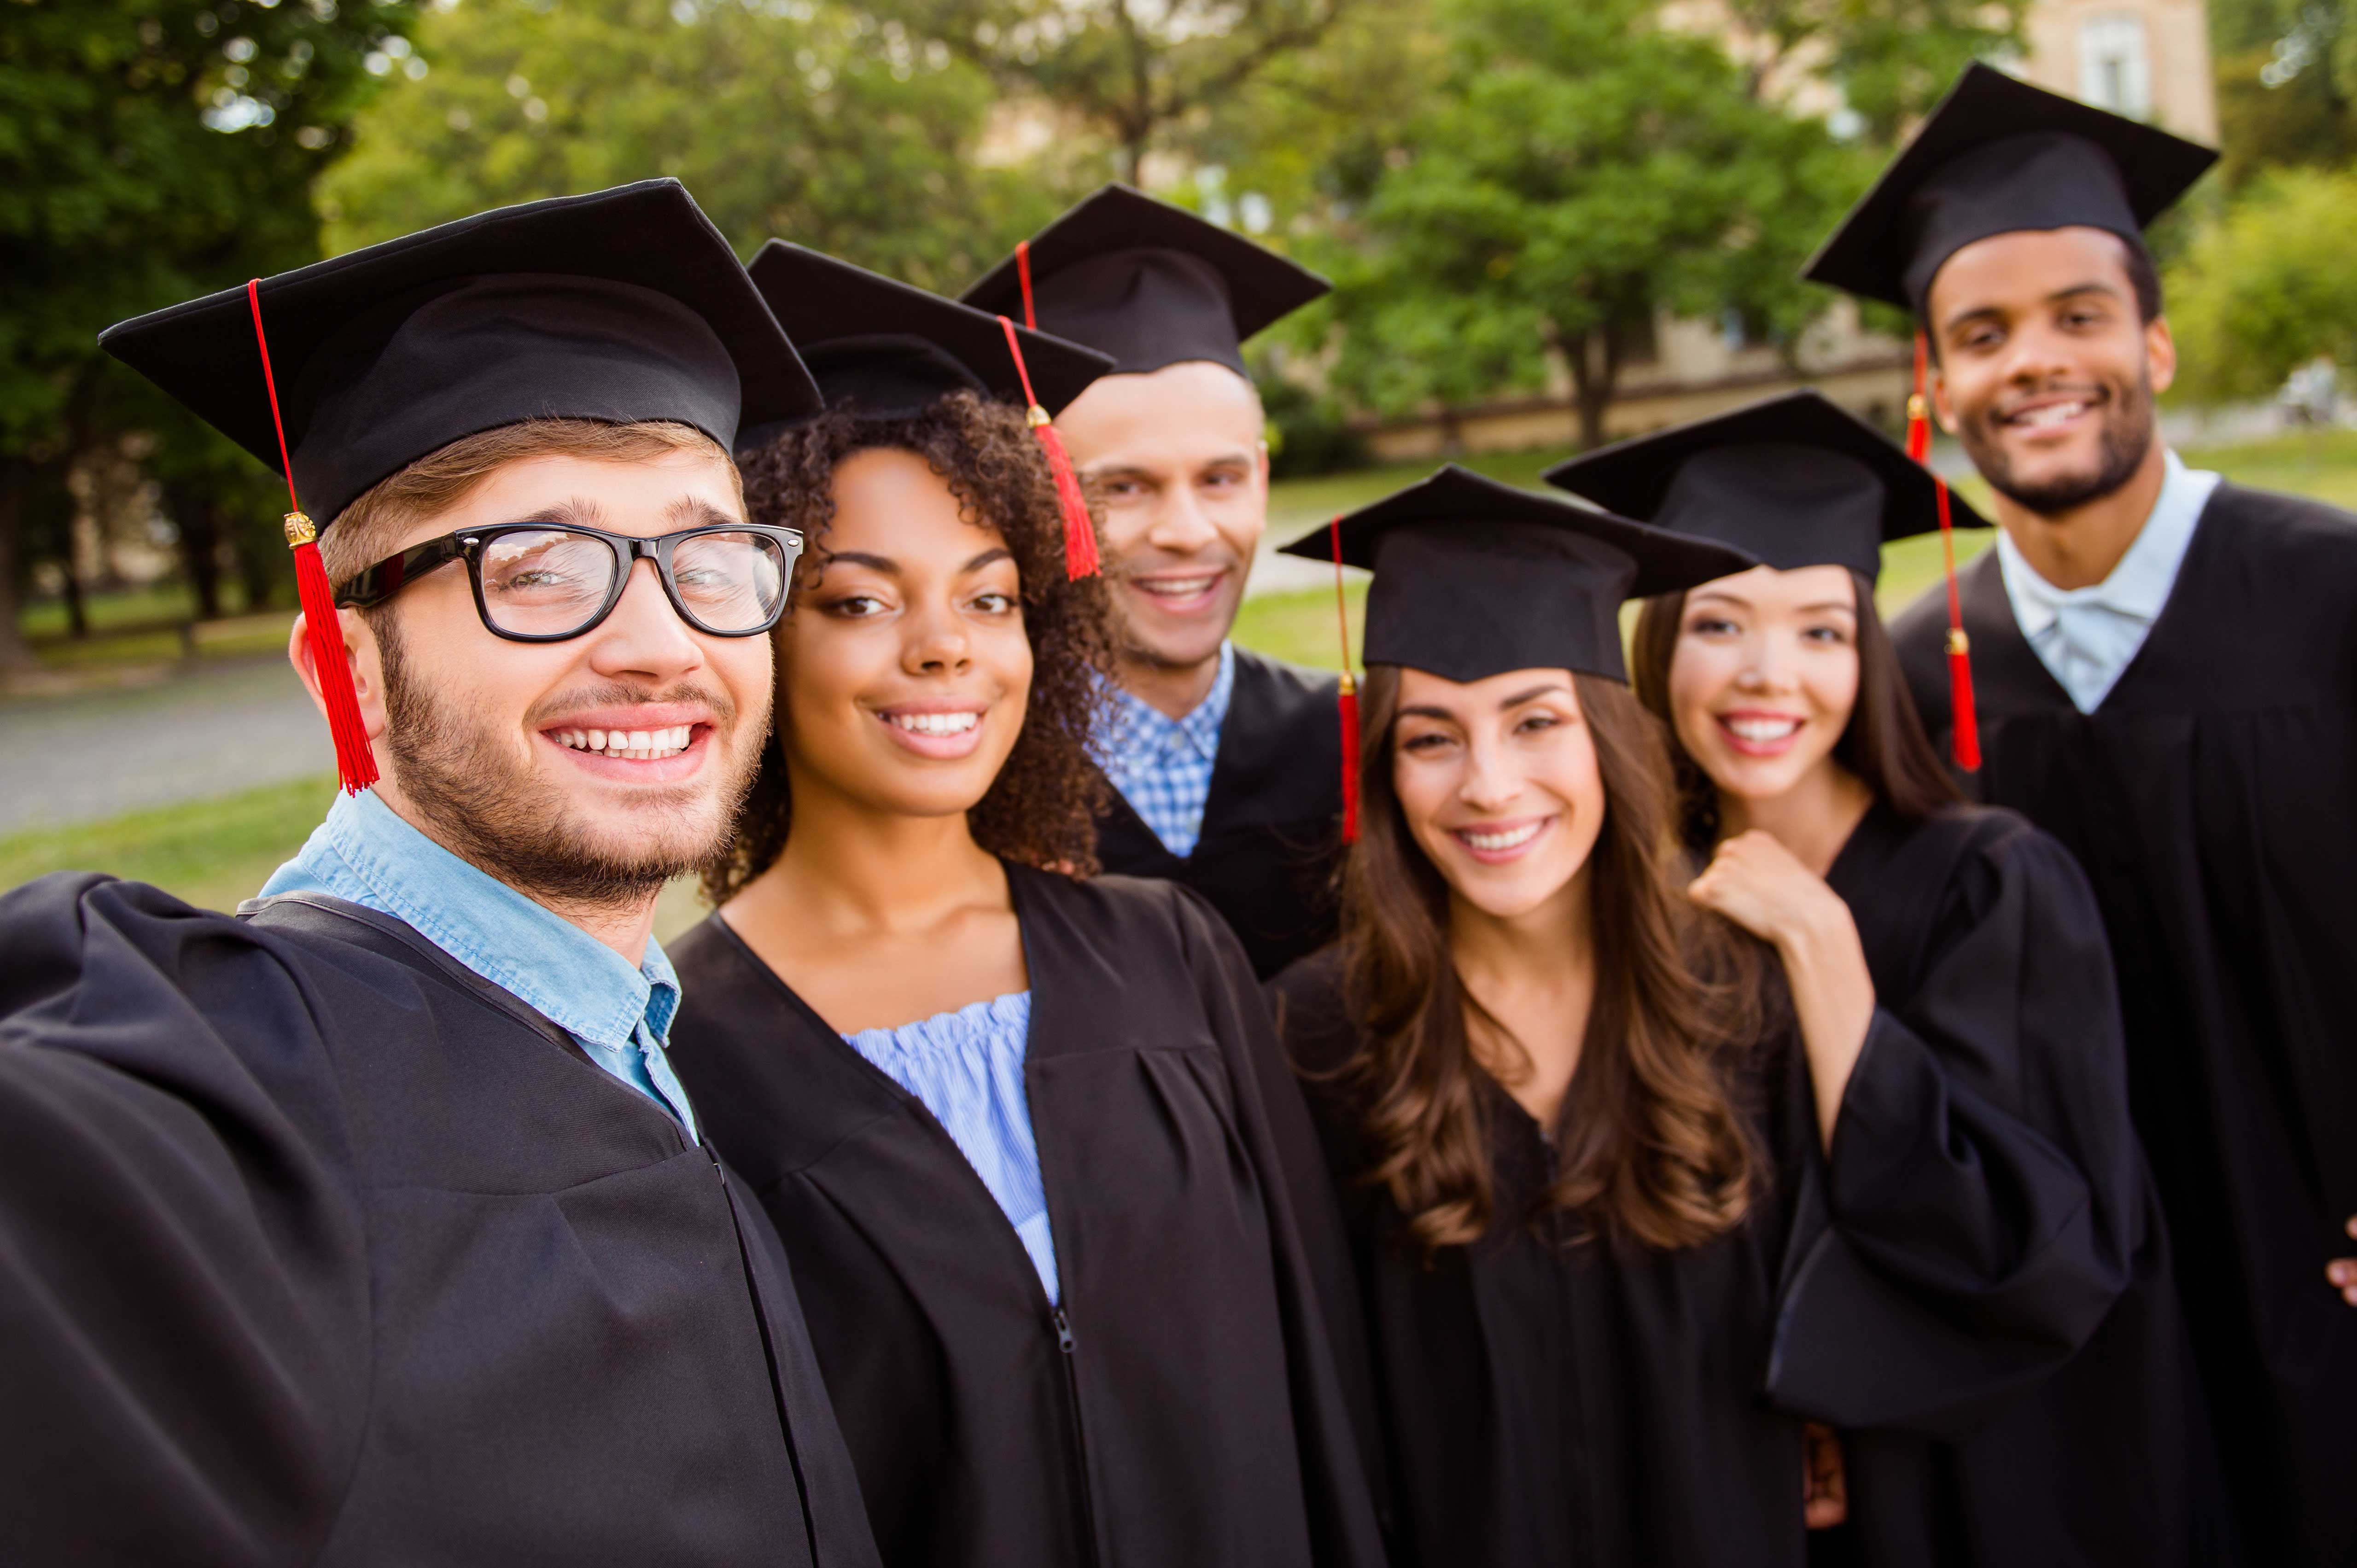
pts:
[1506, 840]
[1762, 729]
[2053, 413]
[1178, 587]
[935, 724]
[633, 745]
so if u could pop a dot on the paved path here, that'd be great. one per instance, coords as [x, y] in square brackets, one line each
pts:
[67, 759]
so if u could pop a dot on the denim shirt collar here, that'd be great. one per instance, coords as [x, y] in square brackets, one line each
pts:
[365, 853]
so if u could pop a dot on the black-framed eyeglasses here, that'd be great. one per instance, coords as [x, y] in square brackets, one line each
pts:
[537, 583]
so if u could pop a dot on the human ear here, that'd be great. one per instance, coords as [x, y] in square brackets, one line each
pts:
[2159, 353]
[363, 658]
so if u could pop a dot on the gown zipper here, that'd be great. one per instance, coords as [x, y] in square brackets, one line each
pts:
[1083, 1499]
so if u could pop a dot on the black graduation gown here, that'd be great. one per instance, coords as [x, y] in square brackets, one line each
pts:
[2210, 799]
[1546, 1400]
[317, 1248]
[1979, 1290]
[1272, 823]
[1183, 1406]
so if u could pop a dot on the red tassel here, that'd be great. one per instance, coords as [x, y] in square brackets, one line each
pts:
[1023, 272]
[1965, 738]
[355, 758]
[1964, 741]
[1919, 408]
[1347, 699]
[1079, 527]
[1348, 703]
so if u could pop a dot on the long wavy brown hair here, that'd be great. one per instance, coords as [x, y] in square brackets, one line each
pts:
[1040, 810]
[1884, 743]
[1653, 1146]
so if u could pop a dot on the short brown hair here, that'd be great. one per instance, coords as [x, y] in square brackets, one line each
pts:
[365, 531]
[1041, 809]
[1883, 744]
[1654, 1146]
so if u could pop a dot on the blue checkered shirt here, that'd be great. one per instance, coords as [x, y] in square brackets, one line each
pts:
[1162, 766]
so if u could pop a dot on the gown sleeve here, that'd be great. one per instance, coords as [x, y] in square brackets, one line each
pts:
[184, 1322]
[1983, 1201]
[1333, 1401]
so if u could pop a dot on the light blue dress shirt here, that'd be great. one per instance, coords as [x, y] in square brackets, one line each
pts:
[967, 1068]
[365, 853]
[1162, 766]
[2087, 637]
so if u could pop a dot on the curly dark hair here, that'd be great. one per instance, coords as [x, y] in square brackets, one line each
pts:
[1041, 809]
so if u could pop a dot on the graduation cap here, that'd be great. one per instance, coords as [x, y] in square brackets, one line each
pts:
[887, 349]
[622, 306]
[1474, 578]
[1997, 155]
[1793, 481]
[1149, 284]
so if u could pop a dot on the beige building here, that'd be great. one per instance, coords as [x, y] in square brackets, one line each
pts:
[2148, 59]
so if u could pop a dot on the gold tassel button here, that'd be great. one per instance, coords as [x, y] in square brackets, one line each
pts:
[1037, 416]
[299, 531]
[1917, 412]
[1957, 641]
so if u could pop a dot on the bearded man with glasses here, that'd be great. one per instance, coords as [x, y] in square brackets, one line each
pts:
[371, 1225]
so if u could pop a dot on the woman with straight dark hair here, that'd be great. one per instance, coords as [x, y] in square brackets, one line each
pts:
[1022, 1128]
[1559, 1100]
[1978, 1294]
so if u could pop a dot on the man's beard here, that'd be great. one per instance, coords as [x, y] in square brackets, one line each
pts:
[492, 812]
[2126, 438]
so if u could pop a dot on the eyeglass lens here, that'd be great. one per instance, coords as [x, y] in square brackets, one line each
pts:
[547, 582]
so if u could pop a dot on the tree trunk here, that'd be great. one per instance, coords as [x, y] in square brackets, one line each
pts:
[15, 488]
[1595, 361]
[76, 609]
[197, 517]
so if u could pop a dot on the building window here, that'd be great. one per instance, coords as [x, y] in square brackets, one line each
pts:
[2115, 67]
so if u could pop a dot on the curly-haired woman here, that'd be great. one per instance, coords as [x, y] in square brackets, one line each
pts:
[1020, 1126]
[1559, 1099]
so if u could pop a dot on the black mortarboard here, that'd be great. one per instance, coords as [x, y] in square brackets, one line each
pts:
[1474, 577]
[1793, 481]
[622, 306]
[1997, 155]
[1150, 284]
[887, 349]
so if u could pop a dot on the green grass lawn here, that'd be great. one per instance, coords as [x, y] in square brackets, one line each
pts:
[215, 853]
[212, 853]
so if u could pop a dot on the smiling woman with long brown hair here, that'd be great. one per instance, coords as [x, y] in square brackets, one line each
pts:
[1557, 1097]
[1019, 1126]
[1985, 1308]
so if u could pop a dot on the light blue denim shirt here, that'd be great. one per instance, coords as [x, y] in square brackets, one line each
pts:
[2087, 637]
[1163, 766]
[621, 1016]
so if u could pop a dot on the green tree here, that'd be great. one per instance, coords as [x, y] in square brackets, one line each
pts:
[150, 150]
[1891, 59]
[1132, 71]
[794, 118]
[2286, 95]
[2268, 289]
[1577, 170]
